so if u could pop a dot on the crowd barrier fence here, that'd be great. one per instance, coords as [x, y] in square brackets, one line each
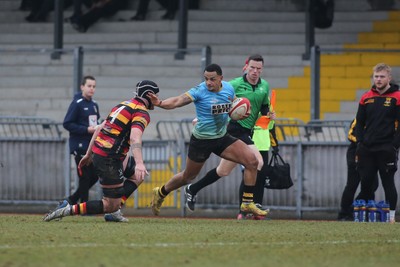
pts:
[35, 166]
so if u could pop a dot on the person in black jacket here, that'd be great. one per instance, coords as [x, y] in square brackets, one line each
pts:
[81, 120]
[378, 137]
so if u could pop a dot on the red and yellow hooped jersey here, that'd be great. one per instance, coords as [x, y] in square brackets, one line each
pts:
[114, 139]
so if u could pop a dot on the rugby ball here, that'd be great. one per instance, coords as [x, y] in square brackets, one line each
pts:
[240, 107]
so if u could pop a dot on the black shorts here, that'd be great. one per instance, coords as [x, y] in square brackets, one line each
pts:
[109, 170]
[238, 131]
[130, 167]
[201, 149]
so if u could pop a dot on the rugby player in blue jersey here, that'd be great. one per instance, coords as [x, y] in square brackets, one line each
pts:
[212, 99]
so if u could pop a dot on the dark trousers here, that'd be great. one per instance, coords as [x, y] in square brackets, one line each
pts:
[86, 181]
[107, 10]
[170, 5]
[382, 159]
[25, 5]
[77, 7]
[41, 8]
[353, 180]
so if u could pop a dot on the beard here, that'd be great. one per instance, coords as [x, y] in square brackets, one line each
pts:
[381, 87]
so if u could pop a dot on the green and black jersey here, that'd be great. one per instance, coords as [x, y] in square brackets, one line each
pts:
[258, 95]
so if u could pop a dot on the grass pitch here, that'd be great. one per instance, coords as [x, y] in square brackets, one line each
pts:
[26, 240]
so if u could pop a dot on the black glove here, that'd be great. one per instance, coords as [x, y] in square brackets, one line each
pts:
[275, 150]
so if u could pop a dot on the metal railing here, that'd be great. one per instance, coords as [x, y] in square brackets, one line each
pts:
[28, 128]
[316, 152]
[310, 28]
[80, 52]
[205, 56]
[33, 162]
[38, 171]
[182, 29]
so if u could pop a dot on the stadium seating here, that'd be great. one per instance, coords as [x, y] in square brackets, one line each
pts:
[344, 76]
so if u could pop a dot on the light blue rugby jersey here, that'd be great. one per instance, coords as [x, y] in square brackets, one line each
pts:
[211, 110]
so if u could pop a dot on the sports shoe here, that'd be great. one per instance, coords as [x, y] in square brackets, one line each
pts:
[252, 208]
[250, 216]
[115, 216]
[64, 209]
[62, 204]
[392, 221]
[260, 206]
[156, 201]
[241, 216]
[260, 217]
[244, 216]
[190, 199]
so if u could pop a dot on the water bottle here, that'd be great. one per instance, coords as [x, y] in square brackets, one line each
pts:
[383, 211]
[356, 210]
[372, 210]
[363, 210]
[380, 213]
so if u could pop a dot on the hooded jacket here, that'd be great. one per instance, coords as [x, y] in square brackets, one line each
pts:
[377, 118]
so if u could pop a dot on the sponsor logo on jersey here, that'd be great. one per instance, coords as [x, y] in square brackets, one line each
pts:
[220, 108]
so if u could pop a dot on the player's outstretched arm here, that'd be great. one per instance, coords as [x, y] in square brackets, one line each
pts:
[172, 102]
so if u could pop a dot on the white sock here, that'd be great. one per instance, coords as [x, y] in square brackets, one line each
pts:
[392, 214]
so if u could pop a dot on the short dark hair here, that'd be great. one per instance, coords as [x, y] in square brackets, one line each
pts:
[256, 57]
[214, 67]
[87, 77]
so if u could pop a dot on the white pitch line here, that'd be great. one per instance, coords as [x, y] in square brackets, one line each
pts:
[197, 244]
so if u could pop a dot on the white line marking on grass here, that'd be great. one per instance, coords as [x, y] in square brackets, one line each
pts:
[197, 244]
